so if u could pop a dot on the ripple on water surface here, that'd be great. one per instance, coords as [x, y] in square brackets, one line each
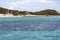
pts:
[30, 28]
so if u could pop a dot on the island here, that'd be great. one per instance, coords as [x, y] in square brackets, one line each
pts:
[4, 12]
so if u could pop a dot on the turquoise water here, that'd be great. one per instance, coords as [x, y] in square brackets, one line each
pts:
[30, 28]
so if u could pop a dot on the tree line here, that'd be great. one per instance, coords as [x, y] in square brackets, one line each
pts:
[16, 12]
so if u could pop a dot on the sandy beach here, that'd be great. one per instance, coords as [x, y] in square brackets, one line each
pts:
[10, 15]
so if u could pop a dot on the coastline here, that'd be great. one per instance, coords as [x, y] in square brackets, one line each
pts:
[10, 15]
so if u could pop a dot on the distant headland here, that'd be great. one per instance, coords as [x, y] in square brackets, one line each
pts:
[4, 12]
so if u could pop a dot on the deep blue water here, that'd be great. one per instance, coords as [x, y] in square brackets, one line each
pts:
[30, 28]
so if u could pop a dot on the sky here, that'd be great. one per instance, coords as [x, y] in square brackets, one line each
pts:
[30, 5]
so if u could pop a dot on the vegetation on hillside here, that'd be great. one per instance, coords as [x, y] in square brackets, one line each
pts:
[16, 12]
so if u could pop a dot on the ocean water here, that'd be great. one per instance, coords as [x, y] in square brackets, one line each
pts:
[30, 28]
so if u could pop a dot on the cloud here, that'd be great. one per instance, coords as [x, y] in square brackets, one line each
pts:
[11, 5]
[45, 1]
[28, 4]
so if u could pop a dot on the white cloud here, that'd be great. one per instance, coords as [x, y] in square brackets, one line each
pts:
[11, 5]
[45, 1]
[24, 2]
[28, 4]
